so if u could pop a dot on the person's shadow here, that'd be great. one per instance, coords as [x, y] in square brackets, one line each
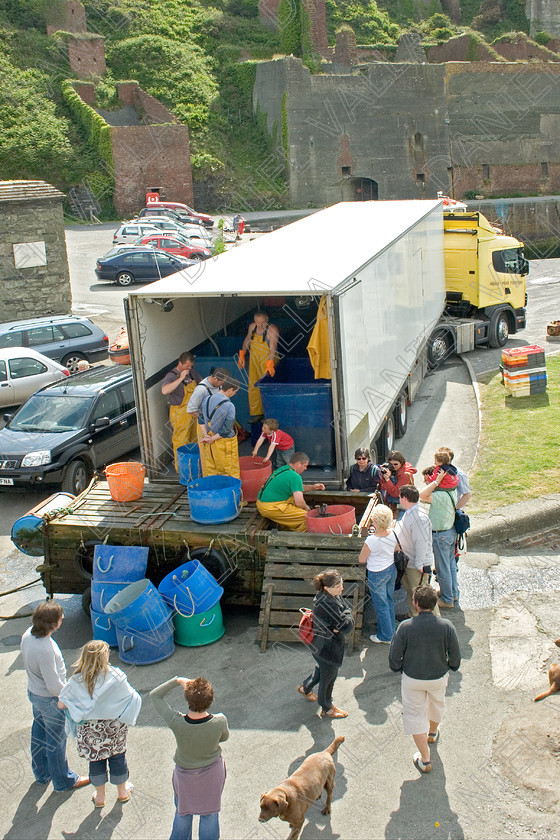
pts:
[424, 809]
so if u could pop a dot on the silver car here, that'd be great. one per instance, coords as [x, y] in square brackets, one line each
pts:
[129, 232]
[23, 371]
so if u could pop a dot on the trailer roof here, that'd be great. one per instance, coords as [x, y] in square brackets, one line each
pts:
[320, 252]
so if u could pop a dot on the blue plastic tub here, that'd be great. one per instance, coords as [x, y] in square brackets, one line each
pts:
[146, 647]
[190, 589]
[188, 461]
[303, 407]
[103, 628]
[120, 563]
[102, 592]
[214, 499]
[138, 606]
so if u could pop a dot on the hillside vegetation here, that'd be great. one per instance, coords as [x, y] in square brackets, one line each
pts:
[199, 58]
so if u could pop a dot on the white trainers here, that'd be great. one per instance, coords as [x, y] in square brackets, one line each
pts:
[379, 641]
[420, 765]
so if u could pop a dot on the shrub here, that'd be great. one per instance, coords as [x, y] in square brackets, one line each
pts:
[543, 38]
[33, 139]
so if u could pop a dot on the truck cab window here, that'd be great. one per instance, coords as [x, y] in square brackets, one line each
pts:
[509, 261]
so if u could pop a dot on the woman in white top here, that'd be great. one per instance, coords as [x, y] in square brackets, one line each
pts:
[101, 701]
[378, 552]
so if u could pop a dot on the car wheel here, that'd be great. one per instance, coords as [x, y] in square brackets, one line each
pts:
[196, 257]
[71, 361]
[125, 278]
[75, 477]
[498, 331]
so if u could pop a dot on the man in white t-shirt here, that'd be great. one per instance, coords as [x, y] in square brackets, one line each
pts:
[46, 676]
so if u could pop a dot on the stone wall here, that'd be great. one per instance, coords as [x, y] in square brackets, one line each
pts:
[461, 48]
[35, 220]
[522, 48]
[150, 156]
[70, 17]
[152, 110]
[544, 15]
[87, 55]
[536, 221]
[402, 131]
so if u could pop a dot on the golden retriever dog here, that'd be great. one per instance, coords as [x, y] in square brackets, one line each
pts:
[553, 678]
[291, 798]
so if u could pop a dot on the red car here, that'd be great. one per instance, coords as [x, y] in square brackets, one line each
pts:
[206, 220]
[175, 246]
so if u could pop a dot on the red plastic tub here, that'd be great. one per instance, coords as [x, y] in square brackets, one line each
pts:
[340, 522]
[254, 473]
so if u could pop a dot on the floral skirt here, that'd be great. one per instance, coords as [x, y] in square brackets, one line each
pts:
[99, 739]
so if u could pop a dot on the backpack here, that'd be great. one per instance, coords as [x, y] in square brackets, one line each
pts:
[462, 521]
[305, 629]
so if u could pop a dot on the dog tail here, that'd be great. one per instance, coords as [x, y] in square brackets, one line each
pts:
[335, 744]
[552, 690]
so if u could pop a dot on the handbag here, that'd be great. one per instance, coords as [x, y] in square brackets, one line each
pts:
[462, 521]
[400, 559]
[305, 628]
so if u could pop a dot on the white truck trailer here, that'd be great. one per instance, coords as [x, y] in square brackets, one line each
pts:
[380, 266]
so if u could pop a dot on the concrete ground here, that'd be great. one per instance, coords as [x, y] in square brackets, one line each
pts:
[494, 769]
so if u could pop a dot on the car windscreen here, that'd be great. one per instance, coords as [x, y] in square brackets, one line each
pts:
[57, 413]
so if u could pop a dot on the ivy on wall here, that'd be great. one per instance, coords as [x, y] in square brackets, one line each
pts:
[98, 131]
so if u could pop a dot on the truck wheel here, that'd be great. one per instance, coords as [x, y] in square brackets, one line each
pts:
[498, 331]
[439, 347]
[86, 601]
[401, 415]
[388, 436]
[213, 561]
[75, 477]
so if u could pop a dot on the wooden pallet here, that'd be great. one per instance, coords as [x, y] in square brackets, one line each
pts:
[292, 561]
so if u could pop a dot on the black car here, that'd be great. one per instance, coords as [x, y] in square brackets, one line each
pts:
[69, 429]
[139, 265]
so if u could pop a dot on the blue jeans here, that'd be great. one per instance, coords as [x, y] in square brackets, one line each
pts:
[446, 568]
[382, 591]
[117, 767]
[48, 744]
[208, 829]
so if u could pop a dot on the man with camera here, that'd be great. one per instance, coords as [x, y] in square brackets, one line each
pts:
[414, 532]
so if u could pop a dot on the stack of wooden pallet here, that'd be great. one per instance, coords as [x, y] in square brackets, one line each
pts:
[524, 370]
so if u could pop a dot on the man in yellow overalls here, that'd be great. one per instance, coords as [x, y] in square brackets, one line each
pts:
[281, 498]
[178, 386]
[261, 343]
[217, 418]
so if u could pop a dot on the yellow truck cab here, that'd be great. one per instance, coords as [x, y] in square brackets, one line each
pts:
[485, 286]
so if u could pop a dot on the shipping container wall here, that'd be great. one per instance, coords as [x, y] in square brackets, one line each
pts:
[386, 315]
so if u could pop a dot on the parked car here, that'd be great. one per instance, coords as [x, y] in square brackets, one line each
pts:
[129, 232]
[206, 220]
[197, 233]
[66, 431]
[23, 371]
[141, 265]
[152, 210]
[174, 245]
[65, 338]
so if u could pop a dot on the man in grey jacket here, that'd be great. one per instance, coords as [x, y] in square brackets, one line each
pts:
[414, 531]
[424, 649]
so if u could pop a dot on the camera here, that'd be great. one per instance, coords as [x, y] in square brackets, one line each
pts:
[388, 467]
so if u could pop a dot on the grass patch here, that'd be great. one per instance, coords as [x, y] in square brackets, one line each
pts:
[519, 446]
